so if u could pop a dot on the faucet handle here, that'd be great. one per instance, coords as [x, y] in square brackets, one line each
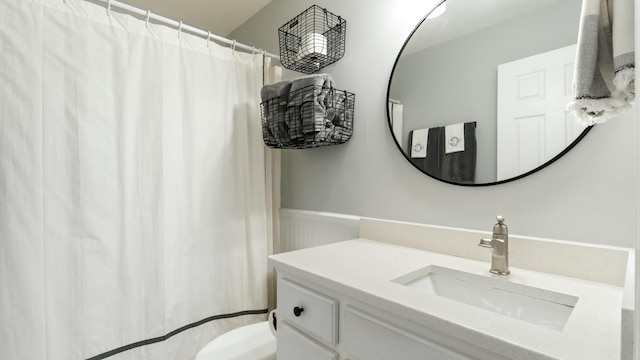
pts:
[485, 243]
[500, 229]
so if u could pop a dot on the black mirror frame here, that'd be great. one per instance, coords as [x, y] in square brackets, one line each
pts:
[552, 160]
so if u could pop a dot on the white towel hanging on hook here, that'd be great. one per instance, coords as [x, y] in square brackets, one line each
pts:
[419, 140]
[454, 138]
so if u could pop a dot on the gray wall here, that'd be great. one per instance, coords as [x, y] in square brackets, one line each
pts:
[433, 83]
[587, 196]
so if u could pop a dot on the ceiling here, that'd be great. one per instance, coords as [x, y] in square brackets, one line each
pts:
[220, 17]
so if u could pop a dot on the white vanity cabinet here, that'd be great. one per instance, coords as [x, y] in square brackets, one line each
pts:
[350, 301]
[293, 344]
[368, 337]
[319, 324]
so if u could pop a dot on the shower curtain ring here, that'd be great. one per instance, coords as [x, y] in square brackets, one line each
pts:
[109, 8]
[208, 38]
[148, 17]
[234, 45]
[179, 29]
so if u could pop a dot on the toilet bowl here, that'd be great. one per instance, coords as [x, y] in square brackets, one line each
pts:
[251, 342]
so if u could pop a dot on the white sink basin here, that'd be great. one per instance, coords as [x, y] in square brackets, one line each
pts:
[537, 306]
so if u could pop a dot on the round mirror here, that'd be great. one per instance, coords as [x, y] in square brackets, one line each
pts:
[477, 95]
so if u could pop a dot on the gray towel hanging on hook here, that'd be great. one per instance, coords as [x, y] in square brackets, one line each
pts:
[458, 167]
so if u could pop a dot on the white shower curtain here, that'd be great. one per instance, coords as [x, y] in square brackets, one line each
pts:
[272, 74]
[132, 186]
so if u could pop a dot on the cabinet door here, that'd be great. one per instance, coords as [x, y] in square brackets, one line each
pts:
[368, 338]
[308, 310]
[293, 345]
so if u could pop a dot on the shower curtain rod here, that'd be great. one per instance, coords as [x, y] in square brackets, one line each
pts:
[148, 15]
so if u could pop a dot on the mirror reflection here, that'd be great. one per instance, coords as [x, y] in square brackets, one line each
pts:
[478, 93]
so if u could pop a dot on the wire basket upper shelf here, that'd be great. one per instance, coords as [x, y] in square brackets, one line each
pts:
[312, 40]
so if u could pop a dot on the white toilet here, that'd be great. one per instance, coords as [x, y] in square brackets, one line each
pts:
[251, 342]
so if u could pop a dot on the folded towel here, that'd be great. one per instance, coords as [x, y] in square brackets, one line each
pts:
[274, 102]
[318, 80]
[309, 98]
[332, 133]
[275, 90]
[604, 80]
[419, 140]
[454, 138]
[338, 109]
[316, 88]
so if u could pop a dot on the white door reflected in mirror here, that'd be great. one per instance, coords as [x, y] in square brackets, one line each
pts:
[533, 124]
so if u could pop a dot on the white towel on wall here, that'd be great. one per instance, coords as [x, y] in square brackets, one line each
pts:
[397, 122]
[604, 77]
[454, 138]
[419, 143]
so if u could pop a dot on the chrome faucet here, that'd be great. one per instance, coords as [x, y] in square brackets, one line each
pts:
[499, 245]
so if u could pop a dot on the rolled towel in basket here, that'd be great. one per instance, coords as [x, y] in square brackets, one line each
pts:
[313, 45]
[338, 119]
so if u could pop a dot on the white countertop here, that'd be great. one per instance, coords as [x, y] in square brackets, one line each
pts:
[363, 269]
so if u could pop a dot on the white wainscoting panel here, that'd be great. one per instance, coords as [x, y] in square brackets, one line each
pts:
[300, 229]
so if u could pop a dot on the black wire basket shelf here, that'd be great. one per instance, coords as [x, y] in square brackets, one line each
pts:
[309, 117]
[312, 40]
